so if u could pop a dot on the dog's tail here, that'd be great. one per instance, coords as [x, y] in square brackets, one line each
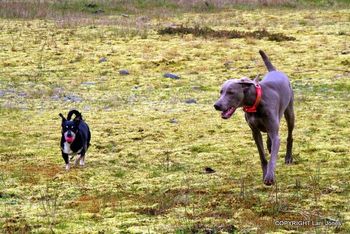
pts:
[77, 114]
[267, 61]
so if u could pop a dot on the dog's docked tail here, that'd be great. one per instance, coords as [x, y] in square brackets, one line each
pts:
[77, 114]
[267, 61]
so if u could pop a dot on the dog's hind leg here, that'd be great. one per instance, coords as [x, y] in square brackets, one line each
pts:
[82, 161]
[82, 158]
[289, 115]
[77, 160]
[268, 143]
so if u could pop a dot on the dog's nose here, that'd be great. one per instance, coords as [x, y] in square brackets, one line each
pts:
[217, 107]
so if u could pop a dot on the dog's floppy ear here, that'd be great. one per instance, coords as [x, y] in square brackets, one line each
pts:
[63, 119]
[245, 81]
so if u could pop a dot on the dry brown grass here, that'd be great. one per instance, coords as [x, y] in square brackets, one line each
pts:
[24, 9]
[64, 9]
[225, 3]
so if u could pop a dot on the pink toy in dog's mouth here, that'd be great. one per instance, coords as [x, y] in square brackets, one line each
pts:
[69, 139]
[228, 113]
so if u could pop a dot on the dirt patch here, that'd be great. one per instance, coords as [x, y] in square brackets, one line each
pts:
[91, 204]
[158, 206]
[32, 174]
[207, 32]
[16, 224]
[49, 170]
[205, 228]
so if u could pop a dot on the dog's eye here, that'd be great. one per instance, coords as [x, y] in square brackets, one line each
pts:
[230, 93]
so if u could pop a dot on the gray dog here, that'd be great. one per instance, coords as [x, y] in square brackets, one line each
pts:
[264, 104]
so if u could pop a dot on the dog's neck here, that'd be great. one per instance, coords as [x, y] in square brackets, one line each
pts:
[249, 96]
[252, 98]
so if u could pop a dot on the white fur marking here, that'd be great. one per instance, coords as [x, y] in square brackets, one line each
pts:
[67, 166]
[66, 148]
[82, 161]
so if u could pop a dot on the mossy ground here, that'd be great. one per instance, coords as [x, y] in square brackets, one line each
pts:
[145, 168]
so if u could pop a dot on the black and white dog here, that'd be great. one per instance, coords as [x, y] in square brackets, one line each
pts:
[75, 137]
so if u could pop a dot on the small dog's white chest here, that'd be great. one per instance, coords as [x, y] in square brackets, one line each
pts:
[66, 148]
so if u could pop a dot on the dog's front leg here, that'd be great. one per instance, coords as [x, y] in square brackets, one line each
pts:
[275, 145]
[66, 160]
[82, 158]
[77, 160]
[259, 143]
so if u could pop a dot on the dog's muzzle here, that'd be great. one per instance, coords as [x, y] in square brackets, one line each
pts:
[69, 137]
[225, 114]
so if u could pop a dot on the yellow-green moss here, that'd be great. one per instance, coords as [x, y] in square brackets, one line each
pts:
[145, 168]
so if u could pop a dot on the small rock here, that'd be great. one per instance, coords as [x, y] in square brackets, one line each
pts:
[171, 76]
[55, 97]
[22, 94]
[72, 98]
[99, 11]
[88, 83]
[125, 15]
[191, 101]
[103, 59]
[209, 170]
[196, 87]
[124, 72]
[174, 121]
[2, 93]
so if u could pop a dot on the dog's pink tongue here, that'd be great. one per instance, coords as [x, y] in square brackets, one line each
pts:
[69, 139]
[227, 114]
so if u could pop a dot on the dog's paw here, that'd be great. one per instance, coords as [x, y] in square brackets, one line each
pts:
[288, 160]
[269, 179]
[82, 162]
[67, 167]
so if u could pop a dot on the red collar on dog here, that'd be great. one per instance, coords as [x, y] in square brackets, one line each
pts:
[252, 109]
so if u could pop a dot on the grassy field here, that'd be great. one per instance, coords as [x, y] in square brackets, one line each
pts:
[145, 171]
